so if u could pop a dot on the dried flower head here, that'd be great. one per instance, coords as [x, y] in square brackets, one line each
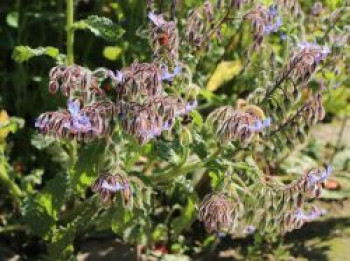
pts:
[107, 185]
[217, 213]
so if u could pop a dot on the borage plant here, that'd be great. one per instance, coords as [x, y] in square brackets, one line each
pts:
[142, 145]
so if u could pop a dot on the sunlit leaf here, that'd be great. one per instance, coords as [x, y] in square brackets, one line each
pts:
[100, 26]
[24, 53]
[225, 71]
[112, 52]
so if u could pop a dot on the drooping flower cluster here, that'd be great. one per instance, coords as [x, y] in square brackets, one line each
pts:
[164, 37]
[262, 20]
[279, 208]
[313, 111]
[155, 116]
[107, 185]
[76, 123]
[277, 20]
[200, 25]
[236, 4]
[237, 125]
[140, 80]
[297, 218]
[89, 113]
[291, 6]
[76, 81]
[308, 186]
[217, 213]
[303, 62]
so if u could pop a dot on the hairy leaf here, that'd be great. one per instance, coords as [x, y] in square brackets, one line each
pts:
[40, 211]
[100, 26]
[24, 53]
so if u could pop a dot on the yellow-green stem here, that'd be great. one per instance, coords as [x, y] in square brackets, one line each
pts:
[70, 32]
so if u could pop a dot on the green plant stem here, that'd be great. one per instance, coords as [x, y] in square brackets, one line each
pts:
[183, 169]
[15, 191]
[177, 172]
[70, 32]
[11, 228]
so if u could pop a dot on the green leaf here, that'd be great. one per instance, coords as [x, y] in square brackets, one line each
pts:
[224, 72]
[120, 219]
[40, 141]
[87, 168]
[100, 26]
[168, 151]
[24, 53]
[197, 118]
[61, 246]
[187, 216]
[112, 52]
[160, 233]
[40, 211]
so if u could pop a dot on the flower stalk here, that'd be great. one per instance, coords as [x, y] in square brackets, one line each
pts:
[70, 32]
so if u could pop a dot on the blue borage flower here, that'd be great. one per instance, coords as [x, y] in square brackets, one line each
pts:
[303, 216]
[79, 122]
[273, 26]
[87, 123]
[310, 183]
[319, 52]
[111, 187]
[296, 218]
[158, 20]
[118, 76]
[108, 184]
[260, 125]
[317, 176]
[283, 36]
[166, 75]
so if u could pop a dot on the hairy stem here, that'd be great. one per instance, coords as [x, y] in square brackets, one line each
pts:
[70, 32]
[15, 191]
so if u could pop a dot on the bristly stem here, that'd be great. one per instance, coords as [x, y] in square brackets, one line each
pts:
[70, 32]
